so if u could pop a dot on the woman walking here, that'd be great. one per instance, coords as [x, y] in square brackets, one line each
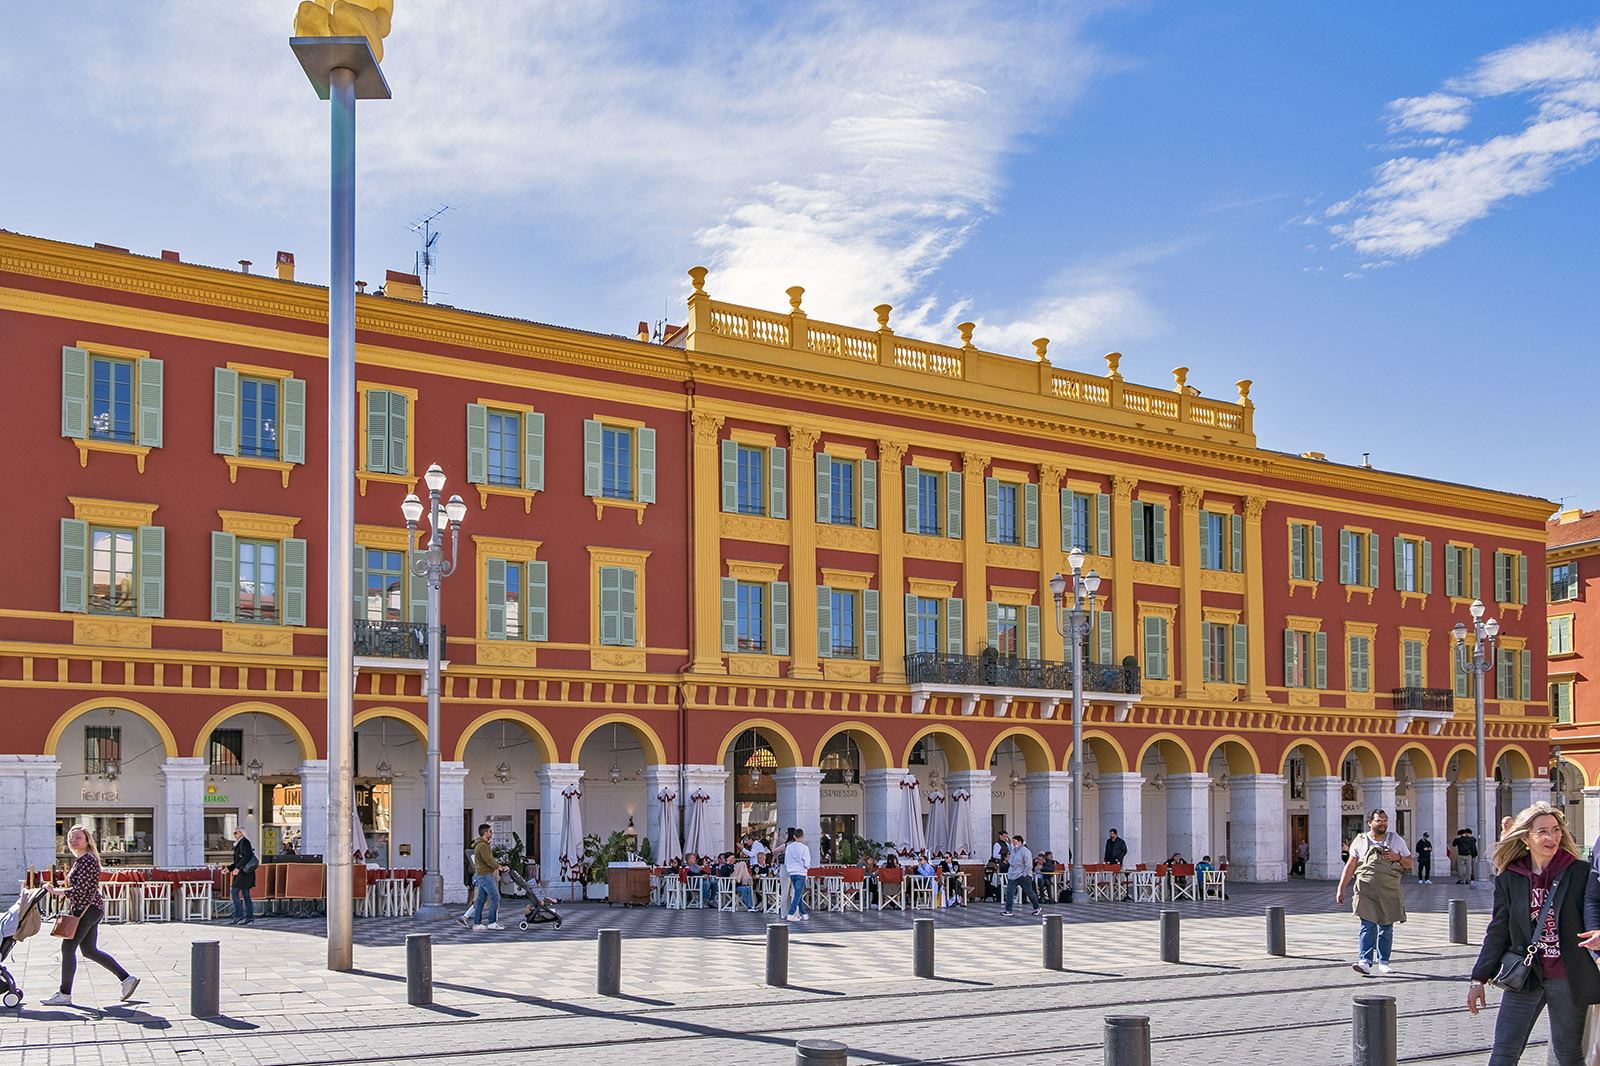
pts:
[797, 864]
[244, 879]
[1540, 874]
[85, 902]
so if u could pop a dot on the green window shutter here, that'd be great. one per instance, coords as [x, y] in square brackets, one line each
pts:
[1461, 678]
[952, 504]
[1316, 552]
[824, 489]
[869, 494]
[824, 622]
[1102, 523]
[780, 617]
[1241, 654]
[911, 624]
[1502, 674]
[730, 613]
[1033, 630]
[1104, 654]
[1236, 541]
[646, 446]
[1477, 573]
[224, 411]
[151, 373]
[478, 446]
[1205, 539]
[1526, 673]
[869, 625]
[911, 486]
[1452, 584]
[1372, 560]
[1522, 579]
[1344, 558]
[991, 510]
[358, 573]
[1399, 564]
[293, 416]
[292, 582]
[730, 478]
[1066, 521]
[592, 472]
[494, 587]
[778, 482]
[1030, 515]
[399, 427]
[74, 564]
[991, 617]
[1166, 660]
[1151, 662]
[533, 451]
[1205, 653]
[1322, 660]
[955, 640]
[536, 601]
[417, 590]
[224, 576]
[377, 431]
[1291, 657]
[1572, 581]
[1159, 511]
[1502, 573]
[611, 605]
[1136, 511]
[75, 399]
[1427, 566]
[627, 606]
[1297, 553]
[152, 571]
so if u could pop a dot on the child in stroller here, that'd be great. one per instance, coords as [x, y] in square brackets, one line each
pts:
[20, 922]
[541, 908]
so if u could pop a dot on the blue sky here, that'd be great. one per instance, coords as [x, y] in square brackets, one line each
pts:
[1383, 214]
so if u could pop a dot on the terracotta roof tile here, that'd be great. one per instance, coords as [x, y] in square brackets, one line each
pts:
[1563, 533]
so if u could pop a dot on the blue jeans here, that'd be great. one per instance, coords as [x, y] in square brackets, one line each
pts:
[1374, 942]
[488, 888]
[708, 890]
[747, 897]
[1024, 884]
[1518, 1012]
[242, 908]
[797, 884]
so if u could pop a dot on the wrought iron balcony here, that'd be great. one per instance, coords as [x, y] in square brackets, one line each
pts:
[930, 673]
[394, 639]
[1432, 705]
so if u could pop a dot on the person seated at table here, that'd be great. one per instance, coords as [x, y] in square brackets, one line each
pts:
[723, 867]
[1176, 858]
[991, 870]
[955, 882]
[1046, 868]
[1203, 865]
[891, 861]
[742, 882]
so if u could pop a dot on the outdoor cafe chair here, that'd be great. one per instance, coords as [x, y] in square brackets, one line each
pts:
[1214, 885]
[119, 902]
[727, 898]
[675, 891]
[771, 893]
[194, 901]
[156, 903]
[1143, 886]
[891, 888]
[1182, 882]
[852, 889]
[694, 890]
[920, 889]
[1105, 881]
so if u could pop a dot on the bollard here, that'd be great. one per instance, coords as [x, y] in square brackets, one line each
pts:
[609, 979]
[923, 947]
[1169, 936]
[1052, 941]
[820, 1053]
[419, 969]
[1127, 1040]
[1277, 943]
[205, 979]
[1372, 1037]
[1458, 921]
[777, 955]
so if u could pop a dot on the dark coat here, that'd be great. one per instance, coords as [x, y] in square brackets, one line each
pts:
[1116, 850]
[243, 879]
[1511, 927]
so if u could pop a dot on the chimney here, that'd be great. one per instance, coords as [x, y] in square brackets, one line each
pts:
[285, 266]
[398, 285]
[361, 287]
[244, 266]
[171, 257]
[108, 247]
[644, 332]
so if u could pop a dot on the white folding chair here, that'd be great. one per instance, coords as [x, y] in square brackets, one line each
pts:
[891, 894]
[156, 904]
[674, 892]
[1183, 886]
[1142, 886]
[727, 898]
[195, 901]
[118, 906]
[920, 890]
[694, 890]
[1214, 885]
[853, 892]
[771, 895]
[1103, 884]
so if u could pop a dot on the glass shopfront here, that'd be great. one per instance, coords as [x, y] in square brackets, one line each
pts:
[123, 838]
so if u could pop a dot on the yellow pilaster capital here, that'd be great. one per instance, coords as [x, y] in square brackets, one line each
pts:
[707, 427]
[1122, 489]
[973, 464]
[1191, 497]
[890, 453]
[803, 438]
[1050, 477]
[1254, 507]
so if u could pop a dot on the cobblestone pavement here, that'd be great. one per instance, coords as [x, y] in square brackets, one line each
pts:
[695, 981]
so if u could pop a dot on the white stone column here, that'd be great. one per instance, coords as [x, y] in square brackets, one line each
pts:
[800, 804]
[1050, 812]
[657, 777]
[181, 829]
[1524, 791]
[880, 802]
[1467, 801]
[28, 826]
[1325, 828]
[314, 807]
[1122, 809]
[554, 777]
[1378, 794]
[712, 778]
[980, 783]
[1591, 814]
[452, 848]
[1258, 827]
[1188, 817]
[1428, 815]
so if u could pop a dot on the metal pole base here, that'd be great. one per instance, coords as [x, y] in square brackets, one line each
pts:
[608, 980]
[419, 969]
[1169, 936]
[1372, 1035]
[821, 1053]
[923, 947]
[777, 955]
[1052, 942]
[1277, 942]
[205, 979]
[1458, 921]
[1127, 1040]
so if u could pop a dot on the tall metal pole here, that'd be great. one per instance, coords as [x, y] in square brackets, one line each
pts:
[1075, 863]
[341, 520]
[432, 903]
[1480, 670]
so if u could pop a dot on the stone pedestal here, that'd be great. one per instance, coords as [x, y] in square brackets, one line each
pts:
[28, 827]
[554, 777]
[1325, 829]
[1122, 809]
[980, 783]
[1258, 828]
[800, 804]
[712, 779]
[181, 828]
[1428, 815]
[452, 848]
[314, 807]
[880, 802]
[1188, 817]
[1050, 812]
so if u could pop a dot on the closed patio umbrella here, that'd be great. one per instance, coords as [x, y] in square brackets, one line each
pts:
[667, 826]
[938, 823]
[698, 839]
[910, 837]
[572, 835]
[358, 839]
[961, 825]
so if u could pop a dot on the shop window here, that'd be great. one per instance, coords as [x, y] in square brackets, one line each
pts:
[102, 745]
[225, 752]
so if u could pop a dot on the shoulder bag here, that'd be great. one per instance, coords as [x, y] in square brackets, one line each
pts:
[1517, 973]
[66, 926]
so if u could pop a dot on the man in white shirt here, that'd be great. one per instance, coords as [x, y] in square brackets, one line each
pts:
[754, 851]
[796, 864]
[1377, 858]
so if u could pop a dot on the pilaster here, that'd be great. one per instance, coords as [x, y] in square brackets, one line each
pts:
[1257, 828]
[1188, 816]
[1123, 622]
[1325, 828]
[1428, 815]
[800, 803]
[1122, 809]
[1049, 811]
[707, 468]
[1524, 790]
[1378, 793]
[880, 800]
[803, 662]
[452, 845]
[975, 556]
[713, 780]
[980, 783]
[891, 563]
[1591, 813]
[660, 776]
[1189, 612]
[181, 830]
[314, 807]
[1255, 600]
[28, 798]
[554, 777]
[1050, 549]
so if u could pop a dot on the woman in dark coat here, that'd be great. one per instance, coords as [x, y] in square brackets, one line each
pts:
[1537, 856]
[244, 879]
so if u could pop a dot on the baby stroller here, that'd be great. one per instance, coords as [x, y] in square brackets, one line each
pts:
[18, 923]
[539, 910]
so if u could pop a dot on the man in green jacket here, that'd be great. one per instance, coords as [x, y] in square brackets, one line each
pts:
[486, 871]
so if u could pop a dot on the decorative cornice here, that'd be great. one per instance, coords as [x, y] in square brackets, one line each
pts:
[122, 513]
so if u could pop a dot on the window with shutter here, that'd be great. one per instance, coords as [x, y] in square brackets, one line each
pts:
[954, 633]
[1563, 582]
[1105, 652]
[777, 482]
[1030, 515]
[1155, 647]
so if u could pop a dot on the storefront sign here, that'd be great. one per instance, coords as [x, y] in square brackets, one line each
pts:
[100, 795]
[845, 793]
[216, 797]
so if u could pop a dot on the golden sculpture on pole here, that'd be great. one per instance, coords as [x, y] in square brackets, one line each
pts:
[346, 18]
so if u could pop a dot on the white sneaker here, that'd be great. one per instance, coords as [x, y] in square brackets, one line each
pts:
[1384, 967]
[791, 917]
[1361, 967]
[129, 983]
[60, 999]
[495, 925]
[805, 917]
[479, 928]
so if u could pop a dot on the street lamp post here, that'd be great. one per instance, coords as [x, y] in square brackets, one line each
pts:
[429, 565]
[1478, 661]
[1074, 626]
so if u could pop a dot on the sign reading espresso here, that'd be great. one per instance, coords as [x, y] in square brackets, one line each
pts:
[841, 793]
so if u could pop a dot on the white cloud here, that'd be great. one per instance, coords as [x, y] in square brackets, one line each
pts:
[1419, 202]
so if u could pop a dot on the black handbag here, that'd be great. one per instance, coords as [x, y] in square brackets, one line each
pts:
[1517, 973]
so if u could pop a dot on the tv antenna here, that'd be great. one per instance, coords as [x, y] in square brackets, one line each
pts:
[428, 256]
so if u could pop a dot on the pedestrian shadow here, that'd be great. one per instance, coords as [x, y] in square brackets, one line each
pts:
[136, 1015]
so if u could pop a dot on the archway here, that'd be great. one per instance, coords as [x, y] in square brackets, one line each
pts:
[254, 752]
[111, 782]
[502, 752]
[390, 756]
[1175, 801]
